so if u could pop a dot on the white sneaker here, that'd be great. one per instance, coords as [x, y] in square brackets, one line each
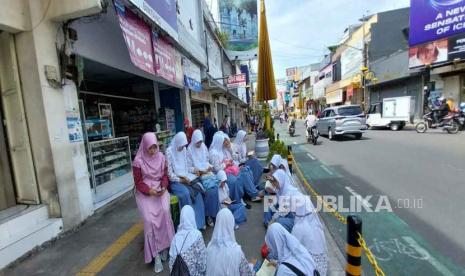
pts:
[236, 227]
[164, 255]
[158, 267]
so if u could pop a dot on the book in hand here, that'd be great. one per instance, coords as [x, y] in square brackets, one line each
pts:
[228, 201]
[250, 153]
[190, 176]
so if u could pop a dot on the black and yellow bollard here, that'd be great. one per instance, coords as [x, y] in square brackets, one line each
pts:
[354, 250]
[289, 158]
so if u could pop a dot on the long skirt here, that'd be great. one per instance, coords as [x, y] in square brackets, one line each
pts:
[182, 192]
[246, 176]
[211, 202]
[286, 221]
[256, 168]
[236, 187]
[238, 210]
[158, 227]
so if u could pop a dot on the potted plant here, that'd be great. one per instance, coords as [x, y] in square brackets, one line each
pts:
[261, 144]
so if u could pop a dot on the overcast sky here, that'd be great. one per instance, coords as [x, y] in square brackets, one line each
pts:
[300, 30]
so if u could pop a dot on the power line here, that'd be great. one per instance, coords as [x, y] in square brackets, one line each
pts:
[297, 46]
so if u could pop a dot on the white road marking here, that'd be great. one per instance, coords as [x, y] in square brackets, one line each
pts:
[327, 170]
[311, 157]
[440, 267]
[295, 143]
[359, 197]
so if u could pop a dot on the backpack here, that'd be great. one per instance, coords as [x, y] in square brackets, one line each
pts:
[179, 266]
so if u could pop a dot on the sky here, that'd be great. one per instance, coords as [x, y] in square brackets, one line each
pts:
[301, 30]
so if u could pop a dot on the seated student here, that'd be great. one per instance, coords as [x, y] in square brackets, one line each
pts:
[309, 232]
[240, 181]
[236, 208]
[224, 255]
[239, 149]
[292, 257]
[180, 178]
[198, 163]
[285, 190]
[188, 243]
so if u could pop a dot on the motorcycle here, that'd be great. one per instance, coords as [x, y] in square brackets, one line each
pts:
[291, 128]
[312, 135]
[449, 123]
[461, 118]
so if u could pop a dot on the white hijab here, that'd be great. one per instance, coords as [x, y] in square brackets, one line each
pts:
[187, 232]
[199, 155]
[223, 193]
[286, 188]
[239, 144]
[216, 147]
[224, 255]
[308, 229]
[288, 249]
[277, 161]
[179, 157]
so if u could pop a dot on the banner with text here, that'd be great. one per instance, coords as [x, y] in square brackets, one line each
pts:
[236, 81]
[192, 78]
[165, 58]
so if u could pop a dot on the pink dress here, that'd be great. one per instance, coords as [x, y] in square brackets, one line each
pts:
[155, 211]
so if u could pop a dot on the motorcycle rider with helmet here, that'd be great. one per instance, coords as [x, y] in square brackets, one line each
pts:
[310, 122]
[441, 111]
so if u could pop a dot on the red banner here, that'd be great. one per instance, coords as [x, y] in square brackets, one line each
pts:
[165, 58]
[236, 81]
[138, 39]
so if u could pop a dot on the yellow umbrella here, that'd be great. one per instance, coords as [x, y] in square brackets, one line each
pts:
[266, 88]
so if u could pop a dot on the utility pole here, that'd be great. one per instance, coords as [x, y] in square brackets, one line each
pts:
[365, 63]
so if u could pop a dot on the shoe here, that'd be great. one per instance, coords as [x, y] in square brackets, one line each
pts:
[248, 206]
[158, 267]
[261, 194]
[210, 222]
[164, 255]
[256, 199]
[236, 227]
[204, 227]
[266, 170]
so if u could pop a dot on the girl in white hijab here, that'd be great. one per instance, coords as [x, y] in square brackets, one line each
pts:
[188, 242]
[309, 232]
[239, 147]
[197, 155]
[178, 173]
[291, 254]
[236, 208]
[224, 255]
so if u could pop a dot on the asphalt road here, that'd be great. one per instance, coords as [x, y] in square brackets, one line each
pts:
[423, 175]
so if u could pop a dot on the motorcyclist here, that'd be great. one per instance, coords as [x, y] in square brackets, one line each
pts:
[291, 122]
[310, 121]
[441, 111]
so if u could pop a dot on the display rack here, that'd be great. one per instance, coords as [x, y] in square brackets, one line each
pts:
[110, 164]
[164, 139]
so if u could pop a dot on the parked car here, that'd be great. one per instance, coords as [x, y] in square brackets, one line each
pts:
[342, 120]
[393, 113]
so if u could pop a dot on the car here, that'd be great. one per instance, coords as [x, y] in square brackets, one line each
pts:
[342, 120]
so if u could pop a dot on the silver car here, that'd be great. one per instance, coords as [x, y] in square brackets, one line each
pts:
[341, 120]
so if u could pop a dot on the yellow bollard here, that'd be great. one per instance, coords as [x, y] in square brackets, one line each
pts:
[354, 249]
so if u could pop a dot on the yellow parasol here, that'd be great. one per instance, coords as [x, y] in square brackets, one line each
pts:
[266, 88]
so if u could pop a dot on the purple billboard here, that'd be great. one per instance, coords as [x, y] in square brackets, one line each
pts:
[432, 20]
[163, 13]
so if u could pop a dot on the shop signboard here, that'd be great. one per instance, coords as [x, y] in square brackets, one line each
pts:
[165, 58]
[291, 73]
[236, 81]
[239, 20]
[439, 52]
[192, 78]
[351, 60]
[138, 38]
[162, 12]
[432, 20]
[334, 96]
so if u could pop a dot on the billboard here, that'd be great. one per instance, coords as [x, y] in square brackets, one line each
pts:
[239, 20]
[434, 53]
[163, 13]
[236, 81]
[165, 58]
[431, 20]
[351, 60]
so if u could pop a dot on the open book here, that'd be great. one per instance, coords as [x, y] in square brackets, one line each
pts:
[190, 176]
[228, 201]
[266, 269]
[250, 153]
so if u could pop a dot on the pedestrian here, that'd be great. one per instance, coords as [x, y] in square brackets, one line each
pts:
[224, 254]
[292, 257]
[188, 129]
[198, 163]
[188, 243]
[209, 130]
[309, 232]
[236, 208]
[153, 200]
[225, 125]
[181, 179]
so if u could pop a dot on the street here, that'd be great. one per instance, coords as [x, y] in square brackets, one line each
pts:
[425, 170]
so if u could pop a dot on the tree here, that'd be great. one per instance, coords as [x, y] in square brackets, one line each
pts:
[250, 6]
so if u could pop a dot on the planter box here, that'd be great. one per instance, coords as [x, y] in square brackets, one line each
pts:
[262, 148]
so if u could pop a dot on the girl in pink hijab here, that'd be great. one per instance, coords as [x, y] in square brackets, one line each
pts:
[153, 200]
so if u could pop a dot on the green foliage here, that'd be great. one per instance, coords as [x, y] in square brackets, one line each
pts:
[223, 37]
[277, 147]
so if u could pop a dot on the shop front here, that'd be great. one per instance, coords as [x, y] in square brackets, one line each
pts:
[335, 97]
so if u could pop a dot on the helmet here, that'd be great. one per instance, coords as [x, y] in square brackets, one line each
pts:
[462, 106]
[441, 99]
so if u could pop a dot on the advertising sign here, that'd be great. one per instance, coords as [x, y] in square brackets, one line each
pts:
[438, 52]
[138, 38]
[236, 81]
[192, 75]
[351, 60]
[165, 58]
[162, 12]
[239, 20]
[431, 20]
[291, 72]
